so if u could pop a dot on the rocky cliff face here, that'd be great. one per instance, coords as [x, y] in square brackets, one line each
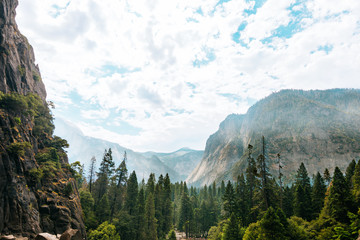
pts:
[18, 72]
[319, 128]
[37, 191]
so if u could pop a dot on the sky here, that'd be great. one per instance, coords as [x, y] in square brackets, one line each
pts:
[162, 74]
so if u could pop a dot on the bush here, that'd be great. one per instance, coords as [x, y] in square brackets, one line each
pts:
[172, 235]
[36, 174]
[36, 77]
[22, 70]
[47, 155]
[13, 102]
[49, 169]
[68, 189]
[17, 120]
[105, 231]
[18, 148]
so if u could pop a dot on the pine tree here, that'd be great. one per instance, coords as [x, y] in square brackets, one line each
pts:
[141, 221]
[120, 180]
[103, 209]
[241, 200]
[350, 172]
[186, 213]
[327, 177]
[271, 226]
[318, 194]
[303, 204]
[105, 171]
[339, 199]
[150, 225]
[91, 172]
[159, 204]
[167, 209]
[356, 184]
[231, 231]
[266, 189]
[131, 194]
[150, 185]
[229, 201]
[172, 235]
[252, 184]
[288, 201]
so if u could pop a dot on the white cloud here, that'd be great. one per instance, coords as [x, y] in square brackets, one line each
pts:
[151, 46]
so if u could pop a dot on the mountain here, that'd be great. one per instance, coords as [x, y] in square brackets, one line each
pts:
[319, 128]
[82, 148]
[37, 189]
[183, 161]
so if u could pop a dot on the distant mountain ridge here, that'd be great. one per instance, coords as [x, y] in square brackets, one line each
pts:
[319, 128]
[178, 164]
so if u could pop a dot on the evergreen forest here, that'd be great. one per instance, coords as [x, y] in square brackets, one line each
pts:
[118, 205]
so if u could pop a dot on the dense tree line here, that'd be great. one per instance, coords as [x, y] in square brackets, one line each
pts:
[255, 206]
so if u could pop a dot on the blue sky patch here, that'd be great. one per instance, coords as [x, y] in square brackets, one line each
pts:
[325, 48]
[200, 11]
[236, 36]
[192, 20]
[210, 56]
[58, 10]
[257, 4]
[293, 27]
[109, 69]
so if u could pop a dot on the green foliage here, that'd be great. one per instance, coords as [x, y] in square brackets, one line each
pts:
[229, 200]
[105, 231]
[356, 184]
[232, 231]
[57, 143]
[303, 204]
[18, 148]
[87, 205]
[171, 235]
[22, 70]
[36, 77]
[14, 103]
[150, 220]
[216, 232]
[68, 190]
[103, 209]
[298, 228]
[318, 194]
[125, 226]
[339, 202]
[77, 171]
[131, 194]
[49, 169]
[47, 155]
[29, 105]
[271, 226]
[36, 174]
[17, 120]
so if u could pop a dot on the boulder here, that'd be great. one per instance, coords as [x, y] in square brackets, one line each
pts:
[45, 236]
[71, 234]
[7, 237]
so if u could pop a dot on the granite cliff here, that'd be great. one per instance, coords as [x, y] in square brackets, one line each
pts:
[37, 189]
[319, 128]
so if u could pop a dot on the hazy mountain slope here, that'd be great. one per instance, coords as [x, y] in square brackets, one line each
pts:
[183, 161]
[82, 148]
[319, 128]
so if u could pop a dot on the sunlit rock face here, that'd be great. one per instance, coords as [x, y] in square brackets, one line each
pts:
[319, 128]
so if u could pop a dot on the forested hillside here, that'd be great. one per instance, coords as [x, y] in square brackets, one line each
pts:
[258, 205]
